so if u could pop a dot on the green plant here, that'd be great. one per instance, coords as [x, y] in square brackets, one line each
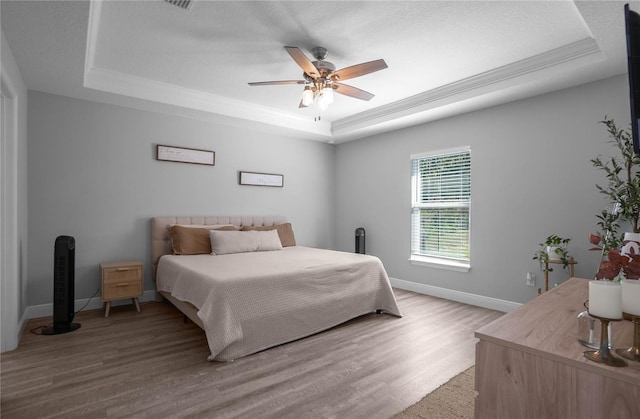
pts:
[609, 225]
[623, 188]
[558, 246]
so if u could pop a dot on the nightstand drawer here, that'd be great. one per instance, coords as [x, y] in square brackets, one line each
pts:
[121, 280]
[116, 290]
[114, 275]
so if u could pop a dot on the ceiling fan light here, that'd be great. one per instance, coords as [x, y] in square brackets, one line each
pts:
[307, 96]
[323, 104]
[327, 93]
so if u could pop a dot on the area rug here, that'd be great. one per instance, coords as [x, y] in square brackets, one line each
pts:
[453, 399]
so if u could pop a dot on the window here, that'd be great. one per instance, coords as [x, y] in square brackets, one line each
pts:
[440, 208]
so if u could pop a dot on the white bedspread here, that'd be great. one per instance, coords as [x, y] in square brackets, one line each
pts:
[252, 301]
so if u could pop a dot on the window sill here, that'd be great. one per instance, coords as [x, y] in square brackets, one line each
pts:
[451, 265]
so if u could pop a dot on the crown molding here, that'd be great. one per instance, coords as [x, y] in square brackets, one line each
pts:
[492, 80]
[143, 88]
[93, 24]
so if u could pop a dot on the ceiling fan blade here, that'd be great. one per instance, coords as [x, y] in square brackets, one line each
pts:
[358, 70]
[347, 90]
[302, 60]
[273, 83]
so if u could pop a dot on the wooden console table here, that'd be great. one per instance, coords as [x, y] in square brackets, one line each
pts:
[529, 364]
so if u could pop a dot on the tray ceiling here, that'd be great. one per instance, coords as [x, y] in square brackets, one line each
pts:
[444, 57]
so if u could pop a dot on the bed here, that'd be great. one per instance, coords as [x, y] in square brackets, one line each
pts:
[248, 301]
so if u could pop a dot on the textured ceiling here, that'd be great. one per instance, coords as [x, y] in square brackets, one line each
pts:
[444, 57]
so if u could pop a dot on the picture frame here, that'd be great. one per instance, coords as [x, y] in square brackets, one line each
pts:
[261, 179]
[185, 155]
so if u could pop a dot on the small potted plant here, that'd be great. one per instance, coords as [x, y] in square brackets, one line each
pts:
[553, 249]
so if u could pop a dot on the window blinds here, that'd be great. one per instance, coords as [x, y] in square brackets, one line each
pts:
[441, 198]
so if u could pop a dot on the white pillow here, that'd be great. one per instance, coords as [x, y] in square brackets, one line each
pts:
[225, 242]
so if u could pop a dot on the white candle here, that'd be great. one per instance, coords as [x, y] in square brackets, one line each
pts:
[631, 296]
[605, 299]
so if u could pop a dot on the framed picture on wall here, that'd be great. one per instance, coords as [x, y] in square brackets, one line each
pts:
[185, 155]
[261, 179]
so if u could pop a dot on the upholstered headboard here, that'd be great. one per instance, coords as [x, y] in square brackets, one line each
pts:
[161, 244]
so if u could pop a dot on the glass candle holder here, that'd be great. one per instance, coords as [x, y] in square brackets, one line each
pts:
[589, 331]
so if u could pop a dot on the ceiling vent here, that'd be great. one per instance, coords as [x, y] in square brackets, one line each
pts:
[183, 4]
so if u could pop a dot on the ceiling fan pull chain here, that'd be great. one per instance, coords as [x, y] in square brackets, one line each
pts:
[317, 109]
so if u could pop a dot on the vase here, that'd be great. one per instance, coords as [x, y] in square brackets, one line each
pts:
[630, 244]
[552, 255]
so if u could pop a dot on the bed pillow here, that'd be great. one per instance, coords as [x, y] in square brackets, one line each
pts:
[189, 240]
[207, 226]
[285, 232]
[226, 242]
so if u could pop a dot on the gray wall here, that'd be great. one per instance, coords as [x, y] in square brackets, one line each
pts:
[531, 177]
[93, 175]
[14, 200]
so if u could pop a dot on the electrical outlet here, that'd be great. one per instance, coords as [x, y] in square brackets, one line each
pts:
[531, 279]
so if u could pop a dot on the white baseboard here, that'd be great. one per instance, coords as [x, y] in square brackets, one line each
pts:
[46, 310]
[459, 296]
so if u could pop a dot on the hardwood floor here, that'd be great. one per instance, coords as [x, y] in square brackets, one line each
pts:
[151, 364]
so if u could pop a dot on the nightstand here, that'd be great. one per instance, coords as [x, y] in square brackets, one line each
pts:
[121, 280]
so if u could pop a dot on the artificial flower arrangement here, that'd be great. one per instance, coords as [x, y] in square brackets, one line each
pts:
[617, 266]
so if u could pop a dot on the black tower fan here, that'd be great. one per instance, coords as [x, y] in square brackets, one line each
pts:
[64, 266]
[360, 237]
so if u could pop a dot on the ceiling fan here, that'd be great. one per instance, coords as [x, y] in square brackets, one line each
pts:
[321, 78]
